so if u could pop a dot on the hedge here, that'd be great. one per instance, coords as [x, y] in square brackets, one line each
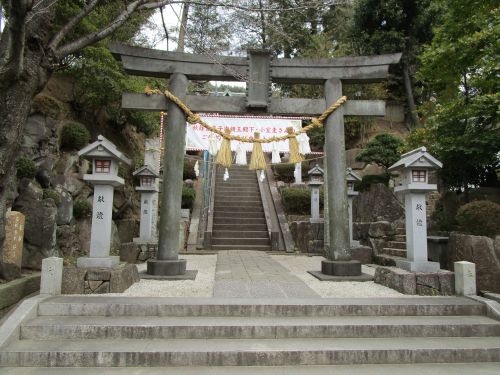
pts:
[74, 136]
[480, 218]
[298, 201]
[188, 197]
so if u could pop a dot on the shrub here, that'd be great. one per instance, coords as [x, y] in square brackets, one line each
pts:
[48, 105]
[82, 208]
[371, 179]
[51, 193]
[284, 172]
[188, 172]
[25, 167]
[298, 201]
[480, 218]
[188, 197]
[382, 150]
[74, 136]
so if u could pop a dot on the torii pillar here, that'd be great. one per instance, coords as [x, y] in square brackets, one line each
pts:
[259, 70]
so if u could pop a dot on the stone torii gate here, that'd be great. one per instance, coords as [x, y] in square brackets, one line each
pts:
[258, 70]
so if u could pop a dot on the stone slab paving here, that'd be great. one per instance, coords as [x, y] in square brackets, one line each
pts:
[254, 274]
[414, 369]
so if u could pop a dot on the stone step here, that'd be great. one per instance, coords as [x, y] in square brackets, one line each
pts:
[241, 203]
[236, 184]
[224, 208]
[241, 247]
[236, 190]
[157, 306]
[386, 259]
[238, 197]
[394, 252]
[238, 214]
[239, 233]
[249, 352]
[396, 245]
[401, 231]
[400, 237]
[236, 242]
[236, 220]
[239, 227]
[86, 327]
[482, 368]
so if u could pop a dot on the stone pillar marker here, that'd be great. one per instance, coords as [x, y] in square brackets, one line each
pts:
[297, 174]
[351, 178]
[12, 255]
[149, 203]
[414, 167]
[51, 279]
[105, 159]
[465, 278]
[315, 182]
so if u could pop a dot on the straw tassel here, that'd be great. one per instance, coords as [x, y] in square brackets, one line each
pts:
[224, 156]
[257, 161]
[295, 156]
[241, 154]
[275, 159]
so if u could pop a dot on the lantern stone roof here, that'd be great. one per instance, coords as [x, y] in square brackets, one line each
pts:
[352, 176]
[316, 170]
[103, 148]
[146, 170]
[416, 158]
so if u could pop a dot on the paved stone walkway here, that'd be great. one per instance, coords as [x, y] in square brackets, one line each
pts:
[254, 274]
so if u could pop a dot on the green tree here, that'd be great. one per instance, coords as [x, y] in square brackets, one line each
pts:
[383, 150]
[388, 26]
[460, 67]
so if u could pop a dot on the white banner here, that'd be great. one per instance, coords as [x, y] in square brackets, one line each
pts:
[197, 135]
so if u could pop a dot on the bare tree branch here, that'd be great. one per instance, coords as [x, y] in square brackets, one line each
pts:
[89, 39]
[61, 34]
[164, 26]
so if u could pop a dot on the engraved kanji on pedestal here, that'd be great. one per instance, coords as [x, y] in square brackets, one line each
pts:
[105, 159]
[149, 203]
[351, 178]
[414, 168]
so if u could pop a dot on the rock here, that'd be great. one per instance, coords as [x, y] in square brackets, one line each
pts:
[381, 229]
[397, 279]
[497, 246]
[127, 229]
[115, 238]
[84, 228]
[29, 190]
[12, 255]
[67, 241]
[378, 203]
[360, 231]
[35, 132]
[189, 183]
[350, 157]
[123, 277]
[377, 244]
[65, 207]
[481, 251]
[43, 178]
[73, 280]
[40, 227]
[9, 271]
[129, 252]
[362, 253]
[68, 173]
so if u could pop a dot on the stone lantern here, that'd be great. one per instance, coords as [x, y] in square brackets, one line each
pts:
[351, 178]
[414, 168]
[148, 187]
[105, 159]
[315, 182]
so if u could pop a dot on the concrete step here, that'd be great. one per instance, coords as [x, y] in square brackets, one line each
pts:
[241, 247]
[237, 242]
[396, 245]
[236, 184]
[225, 208]
[240, 227]
[238, 214]
[249, 352]
[401, 231]
[239, 233]
[394, 252]
[234, 191]
[157, 306]
[400, 237]
[91, 327]
[476, 368]
[222, 218]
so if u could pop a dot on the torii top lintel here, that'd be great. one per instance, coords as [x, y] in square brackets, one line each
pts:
[258, 69]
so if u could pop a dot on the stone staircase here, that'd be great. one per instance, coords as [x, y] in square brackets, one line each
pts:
[395, 249]
[95, 332]
[239, 221]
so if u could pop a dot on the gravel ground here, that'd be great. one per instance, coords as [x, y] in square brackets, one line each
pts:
[299, 265]
[201, 287]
